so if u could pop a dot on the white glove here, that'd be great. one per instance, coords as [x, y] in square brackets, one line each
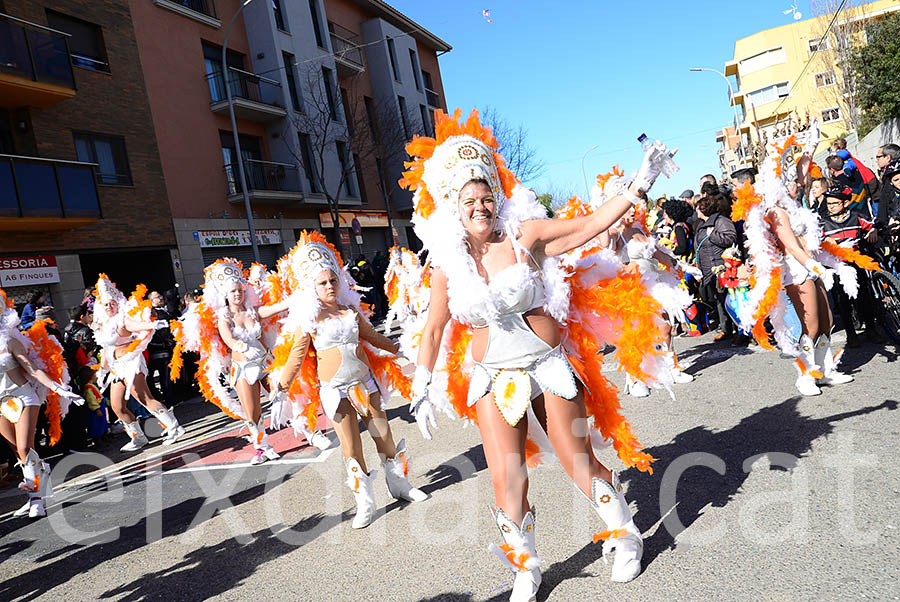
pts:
[421, 380]
[813, 140]
[816, 269]
[68, 394]
[424, 414]
[652, 165]
[689, 269]
[160, 324]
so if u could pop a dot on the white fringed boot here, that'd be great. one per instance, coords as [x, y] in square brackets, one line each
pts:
[138, 438]
[518, 552]
[396, 470]
[260, 440]
[807, 369]
[621, 534]
[36, 483]
[362, 486]
[829, 361]
[174, 431]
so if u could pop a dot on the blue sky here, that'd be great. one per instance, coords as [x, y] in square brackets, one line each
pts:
[583, 73]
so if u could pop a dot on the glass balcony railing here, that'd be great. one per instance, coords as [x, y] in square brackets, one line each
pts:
[36, 187]
[34, 52]
[263, 176]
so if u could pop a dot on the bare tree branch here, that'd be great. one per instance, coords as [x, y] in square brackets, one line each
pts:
[521, 158]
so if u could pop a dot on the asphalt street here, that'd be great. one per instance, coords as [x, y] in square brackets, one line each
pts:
[756, 494]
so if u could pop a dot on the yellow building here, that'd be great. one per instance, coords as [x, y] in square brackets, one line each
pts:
[786, 75]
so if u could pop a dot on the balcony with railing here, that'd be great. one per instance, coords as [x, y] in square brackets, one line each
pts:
[35, 65]
[347, 48]
[254, 97]
[46, 194]
[198, 10]
[267, 182]
[432, 98]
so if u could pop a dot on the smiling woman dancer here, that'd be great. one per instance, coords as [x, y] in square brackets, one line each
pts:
[497, 278]
[123, 329]
[327, 338]
[31, 370]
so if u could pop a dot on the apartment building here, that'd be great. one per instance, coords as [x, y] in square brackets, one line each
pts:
[310, 80]
[81, 183]
[785, 73]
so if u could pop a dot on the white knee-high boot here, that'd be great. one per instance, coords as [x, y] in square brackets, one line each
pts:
[621, 534]
[136, 433]
[519, 553]
[36, 483]
[260, 440]
[362, 486]
[828, 362]
[807, 369]
[174, 431]
[395, 473]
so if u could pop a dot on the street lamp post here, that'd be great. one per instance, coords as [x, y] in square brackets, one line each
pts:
[730, 99]
[587, 190]
[237, 142]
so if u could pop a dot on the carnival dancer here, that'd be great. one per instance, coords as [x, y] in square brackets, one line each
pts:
[635, 246]
[31, 369]
[269, 289]
[787, 251]
[498, 283]
[329, 342]
[123, 329]
[224, 328]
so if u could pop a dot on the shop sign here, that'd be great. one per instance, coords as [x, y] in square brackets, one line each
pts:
[365, 219]
[236, 238]
[28, 271]
[345, 237]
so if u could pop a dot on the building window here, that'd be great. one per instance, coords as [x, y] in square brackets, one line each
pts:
[329, 93]
[426, 122]
[403, 116]
[86, 44]
[382, 180]
[830, 115]
[108, 152]
[392, 52]
[316, 23]
[279, 16]
[359, 179]
[770, 93]
[309, 169]
[346, 168]
[370, 116]
[345, 104]
[818, 44]
[415, 68]
[212, 56]
[289, 79]
[825, 79]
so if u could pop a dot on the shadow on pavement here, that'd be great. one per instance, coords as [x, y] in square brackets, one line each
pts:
[709, 354]
[456, 469]
[780, 428]
[853, 359]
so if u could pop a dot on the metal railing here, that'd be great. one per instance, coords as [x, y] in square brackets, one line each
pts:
[207, 7]
[35, 52]
[263, 175]
[36, 187]
[245, 85]
[432, 98]
[346, 45]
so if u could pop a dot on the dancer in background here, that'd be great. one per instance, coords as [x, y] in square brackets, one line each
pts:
[343, 369]
[123, 329]
[32, 370]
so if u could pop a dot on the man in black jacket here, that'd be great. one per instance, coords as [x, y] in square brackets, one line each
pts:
[160, 350]
[714, 233]
[888, 200]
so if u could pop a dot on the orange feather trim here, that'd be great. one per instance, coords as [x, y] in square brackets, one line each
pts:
[850, 255]
[765, 308]
[605, 535]
[602, 179]
[457, 379]
[388, 368]
[573, 208]
[533, 455]
[790, 142]
[516, 557]
[50, 353]
[745, 199]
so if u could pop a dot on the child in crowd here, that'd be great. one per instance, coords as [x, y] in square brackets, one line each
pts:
[97, 421]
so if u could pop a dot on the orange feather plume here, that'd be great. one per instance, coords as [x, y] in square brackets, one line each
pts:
[51, 355]
[770, 298]
[850, 255]
[745, 199]
[457, 378]
[388, 368]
